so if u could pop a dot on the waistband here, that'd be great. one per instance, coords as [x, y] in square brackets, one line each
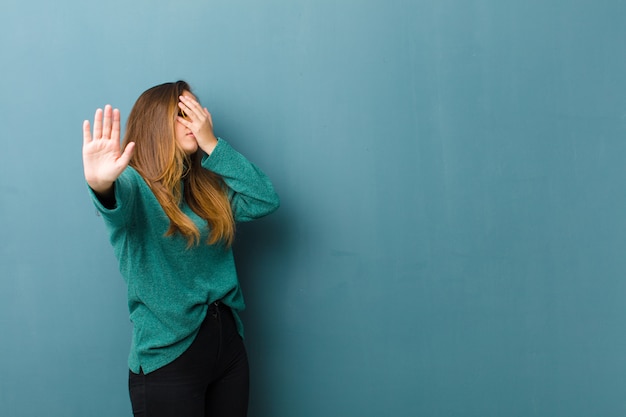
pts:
[217, 305]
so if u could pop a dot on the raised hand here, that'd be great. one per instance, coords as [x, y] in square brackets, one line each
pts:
[198, 120]
[103, 160]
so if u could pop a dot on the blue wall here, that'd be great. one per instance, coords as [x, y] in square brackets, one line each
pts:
[452, 235]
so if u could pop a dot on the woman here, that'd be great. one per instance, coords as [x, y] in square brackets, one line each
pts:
[170, 201]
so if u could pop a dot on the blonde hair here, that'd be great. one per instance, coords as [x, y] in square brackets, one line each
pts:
[173, 175]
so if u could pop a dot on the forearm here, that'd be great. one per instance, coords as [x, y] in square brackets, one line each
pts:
[252, 193]
[118, 200]
[208, 145]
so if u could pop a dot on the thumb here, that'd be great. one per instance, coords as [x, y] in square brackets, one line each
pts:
[128, 153]
[208, 115]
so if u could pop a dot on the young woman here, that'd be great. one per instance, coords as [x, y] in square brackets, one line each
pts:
[170, 197]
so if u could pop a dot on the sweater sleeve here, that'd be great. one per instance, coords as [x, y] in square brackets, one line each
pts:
[251, 193]
[118, 211]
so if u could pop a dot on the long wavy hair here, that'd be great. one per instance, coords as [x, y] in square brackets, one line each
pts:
[171, 174]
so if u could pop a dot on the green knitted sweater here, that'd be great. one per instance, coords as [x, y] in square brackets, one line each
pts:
[169, 285]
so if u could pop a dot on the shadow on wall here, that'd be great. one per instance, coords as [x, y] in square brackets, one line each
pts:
[266, 286]
[259, 242]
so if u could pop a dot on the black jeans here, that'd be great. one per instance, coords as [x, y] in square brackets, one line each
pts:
[210, 379]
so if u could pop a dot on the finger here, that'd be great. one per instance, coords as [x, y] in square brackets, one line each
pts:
[97, 124]
[115, 132]
[106, 126]
[124, 159]
[86, 132]
[189, 99]
[190, 115]
[184, 121]
[184, 107]
[192, 104]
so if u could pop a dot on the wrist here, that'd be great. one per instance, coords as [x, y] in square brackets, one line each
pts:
[208, 145]
[103, 188]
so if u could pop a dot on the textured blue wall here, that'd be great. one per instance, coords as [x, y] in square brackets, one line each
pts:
[452, 235]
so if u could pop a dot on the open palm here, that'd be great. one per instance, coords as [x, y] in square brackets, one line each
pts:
[103, 159]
